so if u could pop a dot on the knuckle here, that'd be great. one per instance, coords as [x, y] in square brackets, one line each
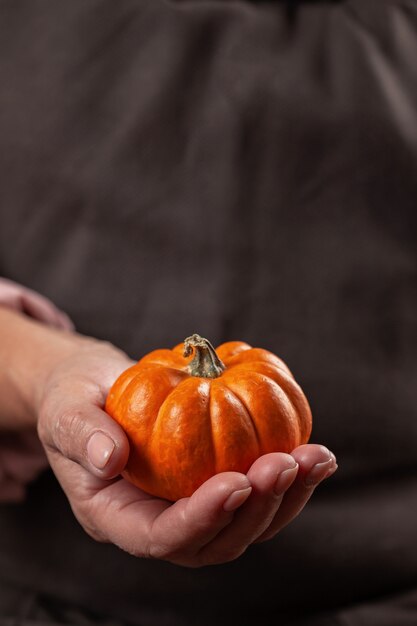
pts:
[174, 554]
[92, 530]
[95, 534]
[86, 515]
[160, 552]
[66, 428]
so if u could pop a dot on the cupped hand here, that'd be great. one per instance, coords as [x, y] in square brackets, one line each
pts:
[88, 451]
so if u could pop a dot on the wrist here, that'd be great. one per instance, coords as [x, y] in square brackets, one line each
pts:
[29, 353]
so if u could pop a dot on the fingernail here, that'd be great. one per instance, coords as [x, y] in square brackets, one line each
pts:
[236, 499]
[100, 447]
[317, 473]
[284, 479]
[332, 470]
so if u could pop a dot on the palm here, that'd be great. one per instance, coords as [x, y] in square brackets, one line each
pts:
[196, 530]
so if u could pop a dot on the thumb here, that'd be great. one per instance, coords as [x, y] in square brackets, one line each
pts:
[87, 435]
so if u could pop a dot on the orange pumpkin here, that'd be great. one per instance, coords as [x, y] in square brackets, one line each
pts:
[188, 419]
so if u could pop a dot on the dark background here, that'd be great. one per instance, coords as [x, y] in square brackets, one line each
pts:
[245, 171]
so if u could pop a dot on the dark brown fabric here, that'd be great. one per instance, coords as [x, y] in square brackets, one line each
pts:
[23, 607]
[246, 171]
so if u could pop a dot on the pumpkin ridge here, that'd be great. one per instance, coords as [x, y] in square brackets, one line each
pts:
[118, 390]
[160, 365]
[139, 371]
[159, 426]
[294, 410]
[164, 402]
[164, 358]
[254, 364]
[213, 442]
[158, 415]
[303, 416]
[260, 355]
[235, 347]
[292, 418]
[280, 372]
[248, 413]
[165, 371]
[294, 386]
[139, 375]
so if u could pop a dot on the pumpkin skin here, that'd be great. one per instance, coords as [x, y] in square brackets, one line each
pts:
[184, 427]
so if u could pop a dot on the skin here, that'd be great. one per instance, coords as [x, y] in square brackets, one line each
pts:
[54, 382]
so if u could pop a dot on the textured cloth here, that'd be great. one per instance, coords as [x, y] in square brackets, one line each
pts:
[244, 171]
[22, 607]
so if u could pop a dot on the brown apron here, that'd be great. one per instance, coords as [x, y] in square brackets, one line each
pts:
[245, 171]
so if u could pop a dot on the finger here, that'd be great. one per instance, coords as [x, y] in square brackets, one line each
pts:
[183, 529]
[39, 307]
[65, 322]
[87, 435]
[270, 476]
[314, 461]
[146, 526]
[91, 498]
[315, 464]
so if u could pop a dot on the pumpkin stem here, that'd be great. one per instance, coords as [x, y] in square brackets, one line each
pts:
[206, 363]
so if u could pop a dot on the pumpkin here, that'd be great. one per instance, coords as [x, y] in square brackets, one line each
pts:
[190, 418]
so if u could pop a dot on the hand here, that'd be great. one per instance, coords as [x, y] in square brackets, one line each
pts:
[22, 456]
[35, 305]
[88, 450]
[22, 459]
